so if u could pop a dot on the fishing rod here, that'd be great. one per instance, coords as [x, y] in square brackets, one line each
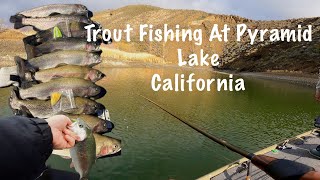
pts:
[276, 168]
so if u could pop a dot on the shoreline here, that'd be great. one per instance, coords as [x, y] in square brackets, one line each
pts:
[293, 78]
[298, 79]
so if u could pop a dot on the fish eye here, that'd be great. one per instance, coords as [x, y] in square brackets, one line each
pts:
[115, 146]
[80, 125]
[105, 124]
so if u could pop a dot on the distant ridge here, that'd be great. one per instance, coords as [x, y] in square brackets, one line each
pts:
[237, 56]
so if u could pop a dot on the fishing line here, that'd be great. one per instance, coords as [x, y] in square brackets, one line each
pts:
[213, 138]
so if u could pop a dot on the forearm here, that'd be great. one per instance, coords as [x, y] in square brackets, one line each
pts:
[25, 146]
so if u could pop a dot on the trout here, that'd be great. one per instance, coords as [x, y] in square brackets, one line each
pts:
[96, 124]
[75, 44]
[43, 109]
[54, 9]
[79, 87]
[67, 30]
[44, 23]
[105, 146]
[83, 153]
[74, 71]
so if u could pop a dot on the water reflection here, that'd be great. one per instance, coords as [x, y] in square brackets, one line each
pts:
[156, 146]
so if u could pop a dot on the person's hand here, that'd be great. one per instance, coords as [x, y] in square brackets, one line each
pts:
[62, 137]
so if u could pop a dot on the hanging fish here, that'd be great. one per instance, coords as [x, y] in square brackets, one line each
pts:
[44, 23]
[83, 154]
[54, 9]
[63, 30]
[75, 44]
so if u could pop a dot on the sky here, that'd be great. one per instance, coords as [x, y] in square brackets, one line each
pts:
[252, 9]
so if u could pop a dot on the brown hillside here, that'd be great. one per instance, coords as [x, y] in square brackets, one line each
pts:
[11, 34]
[235, 55]
[140, 14]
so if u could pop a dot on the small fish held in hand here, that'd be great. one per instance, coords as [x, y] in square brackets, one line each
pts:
[83, 154]
[79, 127]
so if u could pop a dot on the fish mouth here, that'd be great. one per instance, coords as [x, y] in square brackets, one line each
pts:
[90, 14]
[109, 126]
[101, 94]
[100, 107]
[107, 42]
[103, 127]
[102, 76]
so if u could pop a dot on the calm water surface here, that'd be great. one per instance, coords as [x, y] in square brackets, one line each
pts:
[156, 146]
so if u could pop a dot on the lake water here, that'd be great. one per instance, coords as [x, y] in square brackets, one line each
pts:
[157, 146]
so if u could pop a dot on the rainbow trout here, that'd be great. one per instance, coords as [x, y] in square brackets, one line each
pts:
[67, 30]
[74, 44]
[43, 109]
[55, 59]
[83, 153]
[73, 71]
[54, 9]
[105, 146]
[96, 124]
[80, 88]
[44, 23]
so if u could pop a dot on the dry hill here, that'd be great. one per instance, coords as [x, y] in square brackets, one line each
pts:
[235, 55]
[262, 56]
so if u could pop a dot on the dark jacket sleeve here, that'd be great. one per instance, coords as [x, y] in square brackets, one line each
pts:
[25, 145]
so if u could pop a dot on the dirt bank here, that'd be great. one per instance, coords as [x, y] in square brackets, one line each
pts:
[294, 78]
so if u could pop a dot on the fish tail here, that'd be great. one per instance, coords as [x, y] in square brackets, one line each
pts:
[14, 101]
[30, 50]
[22, 68]
[17, 20]
[31, 40]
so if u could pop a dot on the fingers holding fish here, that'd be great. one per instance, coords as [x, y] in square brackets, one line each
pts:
[70, 141]
[71, 133]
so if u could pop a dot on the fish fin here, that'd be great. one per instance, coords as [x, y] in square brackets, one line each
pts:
[84, 178]
[15, 97]
[17, 20]
[36, 29]
[54, 14]
[22, 68]
[25, 111]
[12, 100]
[62, 64]
[15, 93]
[30, 50]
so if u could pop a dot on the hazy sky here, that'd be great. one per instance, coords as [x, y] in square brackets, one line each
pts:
[253, 9]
